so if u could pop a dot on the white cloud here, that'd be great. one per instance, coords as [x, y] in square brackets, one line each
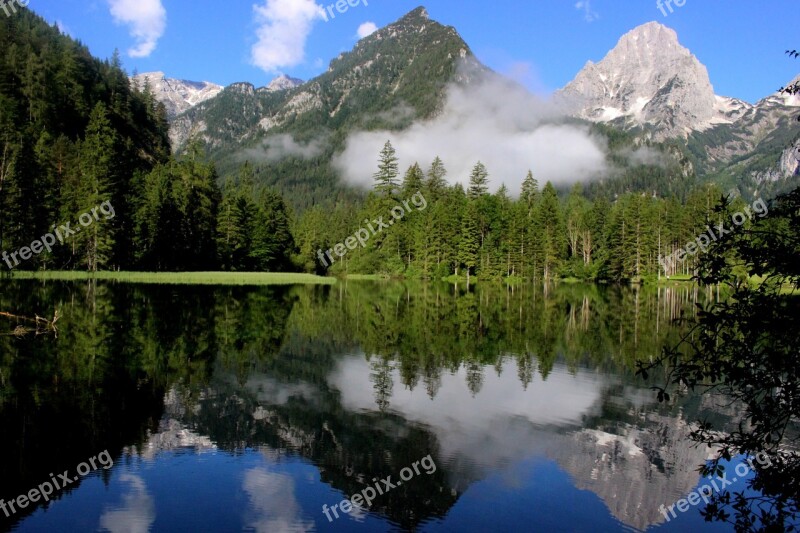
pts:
[147, 20]
[273, 504]
[367, 29]
[137, 512]
[495, 121]
[505, 420]
[589, 14]
[279, 147]
[283, 28]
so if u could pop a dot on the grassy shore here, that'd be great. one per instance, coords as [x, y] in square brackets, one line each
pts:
[182, 278]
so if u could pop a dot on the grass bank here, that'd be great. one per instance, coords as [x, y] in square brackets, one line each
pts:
[182, 278]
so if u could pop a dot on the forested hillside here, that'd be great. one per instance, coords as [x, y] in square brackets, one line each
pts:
[395, 76]
[74, 135]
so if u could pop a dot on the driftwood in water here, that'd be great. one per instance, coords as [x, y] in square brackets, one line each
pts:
[38, 325]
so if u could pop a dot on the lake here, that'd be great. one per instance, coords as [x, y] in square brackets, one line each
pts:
[264, 408]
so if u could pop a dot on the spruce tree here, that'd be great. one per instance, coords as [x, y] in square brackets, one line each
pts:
[553, 233]
[469, 239]
[478, 181]
[436, 183]
[386, 183]
[98, 165]
[530, 190]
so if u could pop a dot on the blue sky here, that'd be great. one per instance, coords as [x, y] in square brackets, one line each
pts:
[542, 43]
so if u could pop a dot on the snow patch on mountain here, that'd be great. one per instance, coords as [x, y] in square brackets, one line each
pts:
[176, 95]
[649, 79]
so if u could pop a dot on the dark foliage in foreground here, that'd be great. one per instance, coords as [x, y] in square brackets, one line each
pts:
[746, 347]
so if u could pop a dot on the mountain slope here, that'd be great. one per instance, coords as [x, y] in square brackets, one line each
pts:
[176, 95]
[406, 64]
[391, 78]
[282, 83]
[650, 80]
[756, 153]
[652, 86]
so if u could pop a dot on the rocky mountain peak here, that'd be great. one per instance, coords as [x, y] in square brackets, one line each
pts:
[282, 83]
[648, 79]
[176, 95]
[419, 14]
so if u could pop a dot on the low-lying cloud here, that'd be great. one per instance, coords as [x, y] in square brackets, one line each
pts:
[494, 121]
[278, 147]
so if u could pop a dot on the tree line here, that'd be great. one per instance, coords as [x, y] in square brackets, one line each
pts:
[540, 234]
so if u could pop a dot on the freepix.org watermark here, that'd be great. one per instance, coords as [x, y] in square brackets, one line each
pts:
[6, 4]
[63, 233]
[719, 484]
[46, 489]
[342, 6]
[702, 242]
[664, 5]
[360, 237]
[365, 498]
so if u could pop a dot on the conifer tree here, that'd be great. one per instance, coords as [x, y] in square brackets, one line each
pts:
[413, 180]
[94, 243]
[469, 243]
[553, 234]
[478, 181]
[436, 183]
[386, 183]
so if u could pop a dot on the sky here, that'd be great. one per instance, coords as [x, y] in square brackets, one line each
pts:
[540, 43]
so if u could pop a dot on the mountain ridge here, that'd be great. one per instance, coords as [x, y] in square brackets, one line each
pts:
[177, 95]
[648, 84]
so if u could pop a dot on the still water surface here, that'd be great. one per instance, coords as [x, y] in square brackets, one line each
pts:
[248, 409]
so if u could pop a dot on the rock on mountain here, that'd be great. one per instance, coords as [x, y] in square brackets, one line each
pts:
[755, 154]
[650, 80]
[176, 95]
[282, 83]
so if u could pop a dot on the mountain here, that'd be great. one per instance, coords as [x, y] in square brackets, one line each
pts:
[652, 86]
[391, 78]
[648, 87]
[756, 152]
[650, 80]
[176, 95]
[282, 83]
[74, 133]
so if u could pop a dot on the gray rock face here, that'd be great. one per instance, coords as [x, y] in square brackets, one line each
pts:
[650, 80]
[176, 95]
[282, 83]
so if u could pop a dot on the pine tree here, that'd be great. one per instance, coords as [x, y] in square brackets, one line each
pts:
[386, 183]
[469, 239]
[530, 190]
[478, 181]
[436, 183]
[413, 180]
[94, 244]
[272, 244]
[553, 233]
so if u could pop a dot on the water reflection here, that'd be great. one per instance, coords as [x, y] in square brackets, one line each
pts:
[273, 506]
[137, 512]
[271, 402]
